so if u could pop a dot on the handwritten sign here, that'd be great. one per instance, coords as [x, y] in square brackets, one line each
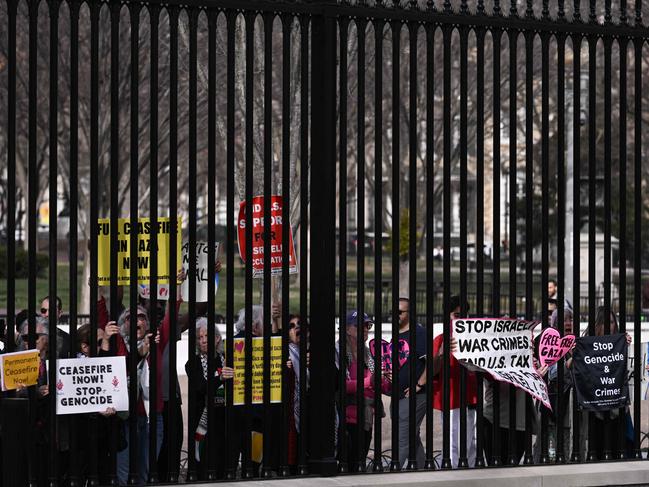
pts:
[502, 348]
[19, 368]
[552, 347]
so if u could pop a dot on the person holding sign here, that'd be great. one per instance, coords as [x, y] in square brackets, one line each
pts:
[599, 369]
[197, 372]
[352, 428]
[454, 385]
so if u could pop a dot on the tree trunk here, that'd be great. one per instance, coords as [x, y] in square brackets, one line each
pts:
[404, 278]
[83, 306]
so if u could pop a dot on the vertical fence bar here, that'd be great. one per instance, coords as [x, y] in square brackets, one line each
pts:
[413, 431]
[378, 234]
[95, 10]
[287, 24]
[592, 194]
[395, 465]
[479, 245]
[576, 224]
[622, 304]
[134, 214]
[304, 235]
[343, 466]
[192, 15]
[561, 235]
[246, 462]
[360, 246]
[637, 231]
[32, 209]
[495, 286]
[513, 161]
[446, 369]
[75, 465]
[267, 190]
[213, 430]
[529, 217]
[231, 460]
[12, 7]
[608, 453]
[52, 224]
[430, 201]
[545, 207]
[322, 297]
[464, 48]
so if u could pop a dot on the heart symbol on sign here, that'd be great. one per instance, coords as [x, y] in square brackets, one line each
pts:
[386, 353]
[552, 347]
[239, 346]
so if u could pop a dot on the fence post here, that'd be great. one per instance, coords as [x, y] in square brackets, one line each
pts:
[323, 241]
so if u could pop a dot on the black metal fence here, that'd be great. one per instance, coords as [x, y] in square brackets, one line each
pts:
[440, 126]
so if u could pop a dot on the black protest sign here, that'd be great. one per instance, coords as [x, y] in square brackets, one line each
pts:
[599, 371]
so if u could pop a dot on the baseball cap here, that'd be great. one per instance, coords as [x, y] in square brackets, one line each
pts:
[352, 318]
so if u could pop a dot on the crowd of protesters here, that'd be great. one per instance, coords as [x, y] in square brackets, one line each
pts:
[110, 430]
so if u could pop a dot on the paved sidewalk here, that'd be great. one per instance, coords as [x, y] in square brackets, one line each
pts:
[600, 474]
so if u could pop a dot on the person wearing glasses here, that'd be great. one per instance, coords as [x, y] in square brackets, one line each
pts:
[406, 349]
[356, 460]
[62, 338]
[293, 364]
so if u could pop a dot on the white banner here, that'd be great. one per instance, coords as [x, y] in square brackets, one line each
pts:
[503, 348]
[91, 385]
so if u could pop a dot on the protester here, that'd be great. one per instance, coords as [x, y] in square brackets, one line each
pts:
[404, 386]
[294, 379]
[359, 436]
[454, 386]
[197, 372]
[62, 339]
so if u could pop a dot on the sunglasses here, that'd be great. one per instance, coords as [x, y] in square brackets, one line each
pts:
[402, 311]
[44, 311]
[293, 324]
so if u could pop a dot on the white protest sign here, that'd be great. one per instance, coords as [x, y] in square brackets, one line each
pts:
[203, 271]
[91, 385]
[644, 374]
[503, 348]
[202, 275]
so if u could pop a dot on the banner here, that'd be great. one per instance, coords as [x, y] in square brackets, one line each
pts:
[202, 275]
[503, 348]
[91, 385]
[599, 371]
[144, 231]
[258, 237]
[239, 381]
[19, 368]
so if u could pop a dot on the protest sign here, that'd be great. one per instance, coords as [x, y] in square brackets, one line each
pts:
[239, 381]
[276, 226]
[202, 275]
[503, 348]
[599, 372]
[91, 385]
[19, 368]
[552, 347]
[386, 352]
[203, 271]
[144, 230]
[644, 374]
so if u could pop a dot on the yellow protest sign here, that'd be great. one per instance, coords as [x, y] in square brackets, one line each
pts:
[239, 381]
[144, 231]
[19, 368]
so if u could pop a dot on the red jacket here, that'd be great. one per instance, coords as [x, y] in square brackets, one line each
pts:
[438, 382]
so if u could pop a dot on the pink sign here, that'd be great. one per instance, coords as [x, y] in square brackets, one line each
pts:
[386, 353]
[552, 347]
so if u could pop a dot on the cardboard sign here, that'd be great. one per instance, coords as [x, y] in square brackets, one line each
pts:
[276, 226]
[91, 385]
[599, 372]
[503, 348]
[239, 380]
[144, 231]
[202, 275]
[386, 353]
[19, 368]
[552, 347]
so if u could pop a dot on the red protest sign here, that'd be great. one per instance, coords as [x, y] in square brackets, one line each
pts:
[276, 218]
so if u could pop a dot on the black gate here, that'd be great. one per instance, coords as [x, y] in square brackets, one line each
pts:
[459, 154]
